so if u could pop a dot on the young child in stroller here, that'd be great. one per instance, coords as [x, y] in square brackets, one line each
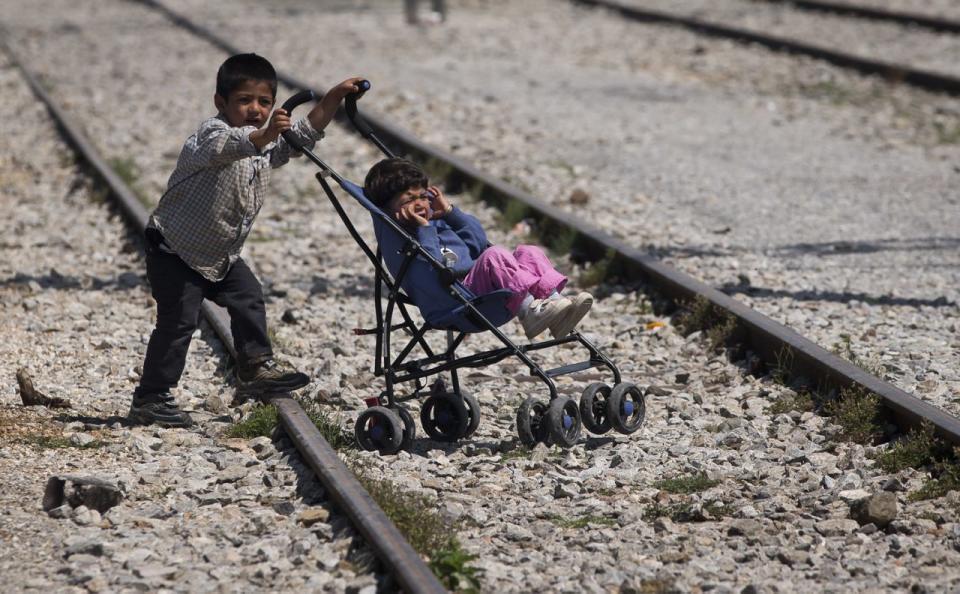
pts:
[401, 189]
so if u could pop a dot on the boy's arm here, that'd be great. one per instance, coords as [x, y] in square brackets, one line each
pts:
[310, 129]
[217, 143]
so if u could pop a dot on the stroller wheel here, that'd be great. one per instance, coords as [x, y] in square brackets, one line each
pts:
[563, 421]
[444, 417]
[473, 410]
[593, 408]
[379, 428]
[626, 408]
[409, 427]
[531, 426]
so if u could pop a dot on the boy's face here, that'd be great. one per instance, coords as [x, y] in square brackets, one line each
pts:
[417, 199]
[248, 105]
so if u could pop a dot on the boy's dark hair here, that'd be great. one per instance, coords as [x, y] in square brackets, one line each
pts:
[240, 68]
[390, 177]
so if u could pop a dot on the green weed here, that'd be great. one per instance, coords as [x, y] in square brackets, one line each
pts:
[687, 484]
[582, 521]
[128, 170]
[800, 401]
[425, 529]
[915, 450]
[599, 271]
[57, 442]
[857, 412]
[260, 422]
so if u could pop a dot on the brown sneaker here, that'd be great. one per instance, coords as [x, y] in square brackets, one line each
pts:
[271, 376]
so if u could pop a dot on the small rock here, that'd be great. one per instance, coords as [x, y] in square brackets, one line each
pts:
[840, 527]
[81, 440]
[879, 509]
[232, 474]
[309, 517]
[579, 197]
[745, 527]
[84, 516]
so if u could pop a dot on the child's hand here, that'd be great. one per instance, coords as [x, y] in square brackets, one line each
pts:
[279, 122]
[407, 215]
[351, 85]
[438, 203]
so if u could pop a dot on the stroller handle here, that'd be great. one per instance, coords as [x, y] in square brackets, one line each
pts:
[350, 105]
[299, 99]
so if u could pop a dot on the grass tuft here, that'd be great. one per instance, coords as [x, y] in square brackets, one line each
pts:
[260, 422]
[581, 522]
[599, 271]
[915, 450]
[425, 529]
[57, 442]
[801, 401]
[514, 212]
[857, 412]
[687, 512]
[718, 325]
[687, 484]
[128, 170]
[947, 479]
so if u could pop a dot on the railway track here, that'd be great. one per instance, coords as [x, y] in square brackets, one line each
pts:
[523, 494]
[400, 559]
[730, 27]
[905, 17]
[771, 341]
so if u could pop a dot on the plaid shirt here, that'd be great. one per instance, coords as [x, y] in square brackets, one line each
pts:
[216, 191]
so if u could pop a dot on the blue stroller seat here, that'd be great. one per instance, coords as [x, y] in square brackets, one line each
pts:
[437, 306]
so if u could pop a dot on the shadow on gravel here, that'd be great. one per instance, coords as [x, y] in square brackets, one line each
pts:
[839, 297]
[95, 421]
[842, 247]
[54, 280]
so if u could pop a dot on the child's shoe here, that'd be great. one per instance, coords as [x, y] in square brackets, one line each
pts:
[580, 304]
[157, 409]
[271, 376]
[542, 314]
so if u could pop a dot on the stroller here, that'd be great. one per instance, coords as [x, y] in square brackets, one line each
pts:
[450, 414]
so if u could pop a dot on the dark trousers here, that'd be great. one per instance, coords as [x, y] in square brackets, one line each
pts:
[179, 290]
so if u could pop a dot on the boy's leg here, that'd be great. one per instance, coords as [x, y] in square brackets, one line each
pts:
[178, 291]
[241, 294]
[532, 259]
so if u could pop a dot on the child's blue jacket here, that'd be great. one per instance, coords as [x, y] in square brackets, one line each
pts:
[458, 232]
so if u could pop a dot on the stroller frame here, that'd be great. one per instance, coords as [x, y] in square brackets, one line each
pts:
[403, 368]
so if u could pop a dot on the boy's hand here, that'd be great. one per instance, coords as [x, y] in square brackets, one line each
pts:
[323, 111]
[439, 204]
[351, 85]
[408, 216]
[279, 122]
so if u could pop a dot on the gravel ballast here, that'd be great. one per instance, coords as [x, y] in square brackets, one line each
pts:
[775, 492]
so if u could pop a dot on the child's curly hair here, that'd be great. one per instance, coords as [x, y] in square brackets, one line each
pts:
[391, 177]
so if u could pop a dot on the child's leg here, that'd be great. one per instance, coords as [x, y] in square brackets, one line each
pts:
[532, 259]
[178, 291]
[241, 294]
[497, 268]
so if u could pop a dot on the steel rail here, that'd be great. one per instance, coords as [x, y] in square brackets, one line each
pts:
[383, 537]
[881, 14]
[771, 341]
[893, 72]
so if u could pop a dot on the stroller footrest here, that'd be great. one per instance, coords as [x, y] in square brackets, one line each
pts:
[572, 368]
